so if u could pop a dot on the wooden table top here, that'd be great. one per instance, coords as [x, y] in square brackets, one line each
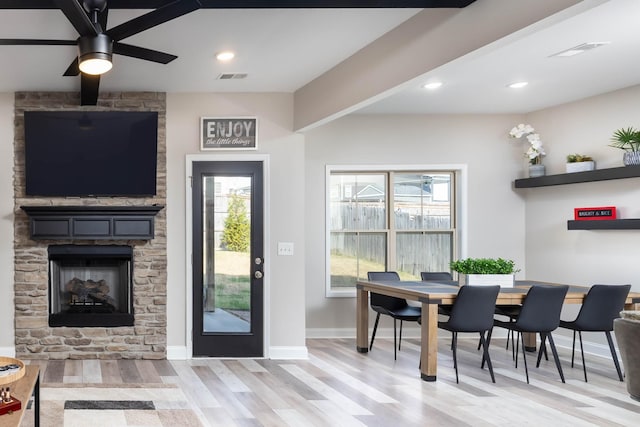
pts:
[22, 390]
[445, 291]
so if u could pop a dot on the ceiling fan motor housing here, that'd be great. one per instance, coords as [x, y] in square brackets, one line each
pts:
[95, 47]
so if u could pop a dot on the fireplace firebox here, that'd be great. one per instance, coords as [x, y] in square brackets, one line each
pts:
[90, 285]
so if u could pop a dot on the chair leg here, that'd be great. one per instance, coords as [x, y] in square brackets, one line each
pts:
[543, 345]
[555, 356]
[454, 347]
[515, 349]
[488, 339]
[573, 347]
[373, 335]
[524, 356]
[614, 356]
[400, 337]
[584, 367]
[395, 342]
[485, 355]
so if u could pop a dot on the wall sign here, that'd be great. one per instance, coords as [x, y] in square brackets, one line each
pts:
[224, 133]
[595, 213]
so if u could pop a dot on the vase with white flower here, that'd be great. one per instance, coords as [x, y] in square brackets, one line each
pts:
[535, 151]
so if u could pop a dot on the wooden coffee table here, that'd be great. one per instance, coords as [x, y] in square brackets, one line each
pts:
[23, 389]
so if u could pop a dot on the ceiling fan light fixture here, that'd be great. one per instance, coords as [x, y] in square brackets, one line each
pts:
[95, 54]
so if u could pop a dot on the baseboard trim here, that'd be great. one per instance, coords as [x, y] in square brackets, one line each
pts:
[288, 352]
[176, 352]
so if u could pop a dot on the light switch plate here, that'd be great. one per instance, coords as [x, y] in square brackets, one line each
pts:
[285, 248]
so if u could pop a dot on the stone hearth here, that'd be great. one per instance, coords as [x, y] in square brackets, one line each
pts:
[34, 338]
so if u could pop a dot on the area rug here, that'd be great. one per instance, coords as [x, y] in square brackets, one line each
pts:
[102, 405]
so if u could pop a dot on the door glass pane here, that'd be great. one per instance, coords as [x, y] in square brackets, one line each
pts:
[226, 254]
[422, 201]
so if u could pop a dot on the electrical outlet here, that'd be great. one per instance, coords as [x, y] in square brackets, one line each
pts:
[285, 248]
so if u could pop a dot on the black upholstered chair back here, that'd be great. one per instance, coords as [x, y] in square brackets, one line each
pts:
[473, 309]
[385, 302]
[602, 304]
[436, 275]
[541, 309]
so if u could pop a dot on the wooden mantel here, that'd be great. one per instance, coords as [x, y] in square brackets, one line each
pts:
[91, 222]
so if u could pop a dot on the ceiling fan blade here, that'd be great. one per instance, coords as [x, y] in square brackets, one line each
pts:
[89, 85]
[159, 16]
[73, 69]
[77, 16]
[38, 42]
[142, 53]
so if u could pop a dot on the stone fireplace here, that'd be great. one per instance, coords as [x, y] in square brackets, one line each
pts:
[86, 314]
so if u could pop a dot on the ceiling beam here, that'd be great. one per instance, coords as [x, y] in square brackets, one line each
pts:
[402, 57]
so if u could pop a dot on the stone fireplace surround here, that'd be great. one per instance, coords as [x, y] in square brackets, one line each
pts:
[34, 339]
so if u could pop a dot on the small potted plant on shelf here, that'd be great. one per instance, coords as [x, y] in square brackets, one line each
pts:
[485, 271]
[627, 139]
[579, 163]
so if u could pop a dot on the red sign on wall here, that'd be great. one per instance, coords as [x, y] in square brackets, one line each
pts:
[595, 213]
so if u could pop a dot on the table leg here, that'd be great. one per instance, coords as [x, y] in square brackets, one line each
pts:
[36, 402]
[530, 341]
[429, 342]
[362, 321]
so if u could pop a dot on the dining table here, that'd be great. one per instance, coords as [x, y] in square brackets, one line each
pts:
[431, 294]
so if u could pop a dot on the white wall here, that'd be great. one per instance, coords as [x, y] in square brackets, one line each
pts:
[284, 274]
[7, 340]
[584, 257]
[495, 213]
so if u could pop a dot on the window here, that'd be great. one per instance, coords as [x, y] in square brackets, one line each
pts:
[388, 220]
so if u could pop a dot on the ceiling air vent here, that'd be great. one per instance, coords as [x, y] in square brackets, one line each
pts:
[576, 50]
[232, 76]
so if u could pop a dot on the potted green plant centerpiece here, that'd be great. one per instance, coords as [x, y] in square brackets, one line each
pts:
[579, 163]
[627, 139]
[485, 271]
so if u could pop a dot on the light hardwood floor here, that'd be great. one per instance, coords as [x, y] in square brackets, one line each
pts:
[339, 387]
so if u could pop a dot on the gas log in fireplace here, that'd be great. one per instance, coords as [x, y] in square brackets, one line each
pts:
[90, 285]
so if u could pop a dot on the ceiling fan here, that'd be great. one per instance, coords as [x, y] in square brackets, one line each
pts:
[96, 44]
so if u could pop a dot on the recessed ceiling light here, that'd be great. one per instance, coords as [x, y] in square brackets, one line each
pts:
[576, 50]
[432, 85]
[225, 56]
[518, 85]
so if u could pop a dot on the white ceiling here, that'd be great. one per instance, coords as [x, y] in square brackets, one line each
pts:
[283, 50]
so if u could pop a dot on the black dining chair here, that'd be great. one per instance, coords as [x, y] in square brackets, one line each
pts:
[472, 311]
[397, 308]
[540, 313]
[601, 305]
[438, 275]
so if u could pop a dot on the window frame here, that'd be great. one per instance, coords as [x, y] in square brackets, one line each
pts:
[459, 211]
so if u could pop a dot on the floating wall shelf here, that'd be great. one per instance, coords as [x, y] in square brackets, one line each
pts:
[605, 224]
[577, 177]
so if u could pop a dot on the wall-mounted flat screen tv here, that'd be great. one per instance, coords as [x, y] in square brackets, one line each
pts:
[92, 153]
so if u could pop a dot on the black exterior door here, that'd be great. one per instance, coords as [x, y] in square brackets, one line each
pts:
[228, 259]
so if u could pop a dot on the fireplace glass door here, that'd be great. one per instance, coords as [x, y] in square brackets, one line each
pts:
[90, 289]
